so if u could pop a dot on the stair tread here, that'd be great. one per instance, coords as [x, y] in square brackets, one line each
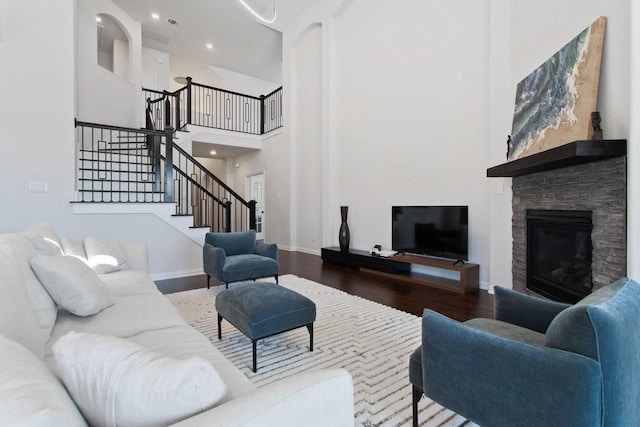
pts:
[82, 190]
[113, 170]
[113, 150]
[120, 162]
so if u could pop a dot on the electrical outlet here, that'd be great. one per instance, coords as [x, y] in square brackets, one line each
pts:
[38, 187]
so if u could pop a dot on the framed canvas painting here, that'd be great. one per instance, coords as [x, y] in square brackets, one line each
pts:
[554, 103]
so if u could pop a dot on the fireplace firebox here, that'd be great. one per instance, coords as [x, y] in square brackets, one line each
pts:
[559, 251]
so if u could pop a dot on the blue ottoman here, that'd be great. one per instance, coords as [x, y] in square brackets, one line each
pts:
[262, 309]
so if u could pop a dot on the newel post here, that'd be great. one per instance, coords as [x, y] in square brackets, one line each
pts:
[188, 106]
[177, 110]
[227, 216]
[167, 109]
[169, 186]
[252, 215]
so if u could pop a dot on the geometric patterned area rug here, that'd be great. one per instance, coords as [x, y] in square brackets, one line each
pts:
[370, 340]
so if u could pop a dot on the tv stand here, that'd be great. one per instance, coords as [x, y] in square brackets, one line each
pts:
[398, 268]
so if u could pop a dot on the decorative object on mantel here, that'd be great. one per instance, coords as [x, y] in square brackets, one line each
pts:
[344, 236]
[595, 122]
[554, 102]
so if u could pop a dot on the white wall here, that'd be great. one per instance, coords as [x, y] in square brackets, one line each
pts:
[418, 100]
[223, 79]
[37, 82]
[404, 116]
[274, 161]
[447, 70]
[159, 64]
[121, 66]
[37, 110]
[501, 103]
[103, 97]
[306, 148]
[524, 35]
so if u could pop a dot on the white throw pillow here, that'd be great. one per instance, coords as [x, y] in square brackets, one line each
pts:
[18, 319]
[74, 248]
[72, 284]
[46, 310]
[49, 235]
[41, 245]
[115, 382]
[104, 256]
[30, 395]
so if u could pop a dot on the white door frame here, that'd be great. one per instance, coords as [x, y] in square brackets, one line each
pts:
[254, 183]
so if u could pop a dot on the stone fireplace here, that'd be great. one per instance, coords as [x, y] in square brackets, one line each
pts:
[598, 188]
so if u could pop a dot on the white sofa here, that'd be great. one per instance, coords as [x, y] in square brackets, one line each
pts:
[37, 382]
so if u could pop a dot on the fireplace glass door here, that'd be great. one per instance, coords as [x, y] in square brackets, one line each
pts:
[559, 254]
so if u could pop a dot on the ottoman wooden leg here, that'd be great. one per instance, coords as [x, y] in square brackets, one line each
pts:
[219, 327]
[255, 364]
[310, 328]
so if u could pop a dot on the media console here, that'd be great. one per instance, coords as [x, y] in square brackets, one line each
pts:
[398, 268]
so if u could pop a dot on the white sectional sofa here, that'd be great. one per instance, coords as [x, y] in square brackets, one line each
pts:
[126, 357]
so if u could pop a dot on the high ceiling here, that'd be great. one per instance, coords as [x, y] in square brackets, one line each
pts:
[240, 42]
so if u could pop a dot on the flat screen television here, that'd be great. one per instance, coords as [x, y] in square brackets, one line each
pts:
[439, 231]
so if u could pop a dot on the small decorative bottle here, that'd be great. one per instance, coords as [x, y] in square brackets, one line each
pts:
[344, 237]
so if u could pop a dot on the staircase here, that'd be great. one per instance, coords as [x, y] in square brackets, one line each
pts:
[142, 171]
[125, 170]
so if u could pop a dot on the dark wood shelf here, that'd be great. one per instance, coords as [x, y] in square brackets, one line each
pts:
[574, 153]
[398, 268]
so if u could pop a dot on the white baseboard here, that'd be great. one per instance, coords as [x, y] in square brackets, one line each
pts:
[486, 286]
[310, 251]
[176, 274]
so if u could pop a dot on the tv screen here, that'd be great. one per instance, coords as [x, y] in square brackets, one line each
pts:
[440, 231]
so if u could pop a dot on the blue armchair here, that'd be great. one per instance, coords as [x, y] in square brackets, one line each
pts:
[231, 257]
[538, 363]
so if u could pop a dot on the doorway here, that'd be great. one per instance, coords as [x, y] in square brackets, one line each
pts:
[255, 190]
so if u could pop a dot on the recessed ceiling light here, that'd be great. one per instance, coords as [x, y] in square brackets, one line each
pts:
[155, 15]
[213, 152]
[98, 19]
[209, 46]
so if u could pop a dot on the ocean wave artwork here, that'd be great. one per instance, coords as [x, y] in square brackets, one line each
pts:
[553, 104]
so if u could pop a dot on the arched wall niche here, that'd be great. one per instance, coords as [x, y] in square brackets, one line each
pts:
[113, 46]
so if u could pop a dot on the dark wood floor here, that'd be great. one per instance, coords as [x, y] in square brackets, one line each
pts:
[406, 297]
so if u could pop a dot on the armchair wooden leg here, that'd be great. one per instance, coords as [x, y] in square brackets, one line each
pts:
[255, 363]
[226, 285]
[276, 276]
[417, 395]
[208, 282]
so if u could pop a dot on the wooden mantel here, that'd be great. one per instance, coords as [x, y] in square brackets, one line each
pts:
[574, 153]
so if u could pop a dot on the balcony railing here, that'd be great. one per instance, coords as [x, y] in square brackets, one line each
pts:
[207, 106]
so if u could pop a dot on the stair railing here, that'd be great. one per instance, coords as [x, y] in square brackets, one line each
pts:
[200, 193]
[208, 106]
[125, 165]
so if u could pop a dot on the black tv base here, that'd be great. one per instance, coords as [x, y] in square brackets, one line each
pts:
[363, 259]
[398, 268]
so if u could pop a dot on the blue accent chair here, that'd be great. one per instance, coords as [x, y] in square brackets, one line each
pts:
[539, 363]
[232, 257]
